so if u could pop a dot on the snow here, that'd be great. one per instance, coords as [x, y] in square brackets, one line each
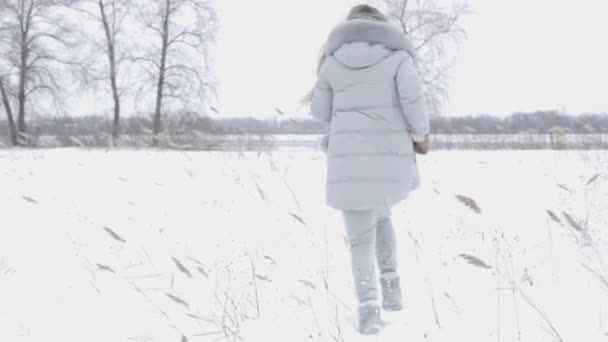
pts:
[221, 216]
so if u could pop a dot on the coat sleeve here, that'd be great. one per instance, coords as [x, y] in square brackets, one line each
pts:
[322, 100]
[412, 102]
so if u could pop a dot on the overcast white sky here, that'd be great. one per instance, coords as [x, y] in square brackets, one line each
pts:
[521, 55]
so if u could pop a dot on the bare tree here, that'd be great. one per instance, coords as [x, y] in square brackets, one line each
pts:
[110, 16]
[33, 36]
[176, 63]
[433, 29]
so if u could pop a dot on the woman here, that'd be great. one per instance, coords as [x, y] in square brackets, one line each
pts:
[369, 91]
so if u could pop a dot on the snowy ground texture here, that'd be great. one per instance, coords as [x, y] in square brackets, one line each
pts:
[188, 246]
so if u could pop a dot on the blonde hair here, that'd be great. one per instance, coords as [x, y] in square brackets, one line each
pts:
[365, 12]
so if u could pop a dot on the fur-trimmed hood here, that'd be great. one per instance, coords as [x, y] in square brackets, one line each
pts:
[359, 55]
[368, 31]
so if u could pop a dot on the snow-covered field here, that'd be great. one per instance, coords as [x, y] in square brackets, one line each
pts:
[189, 246]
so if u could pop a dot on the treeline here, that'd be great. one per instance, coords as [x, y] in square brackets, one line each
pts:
[540, 122]
[172, 125]
[536, 123]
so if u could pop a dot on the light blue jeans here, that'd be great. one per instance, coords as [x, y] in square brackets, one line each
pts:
[373, 247]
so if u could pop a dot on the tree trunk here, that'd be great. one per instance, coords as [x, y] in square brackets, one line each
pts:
[116, 124]
[21, 97]
[161, 76]
[9, 114]
[23, 69]
[113, 72]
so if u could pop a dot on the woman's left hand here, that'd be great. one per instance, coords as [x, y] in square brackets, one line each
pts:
[423, 147]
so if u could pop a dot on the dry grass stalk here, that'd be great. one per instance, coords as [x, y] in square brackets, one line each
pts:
[429, 286]
[573, 223]
[603, 281]
[260, 191]
[263, 278]
[298, 218]
[255, 287]
[202, 271]
[196, 261]
[208, 334]
[554, 217]
[229, 325]
[105, 268]
[178, 300]
[308, 284]
[182, 268]
[475, 261]
[516, 290]
[29, 199]
[339, 335]
[270, 259]
[199, 318]
[540, 312]
[114, 235]
[593, 179]
[470, 203]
